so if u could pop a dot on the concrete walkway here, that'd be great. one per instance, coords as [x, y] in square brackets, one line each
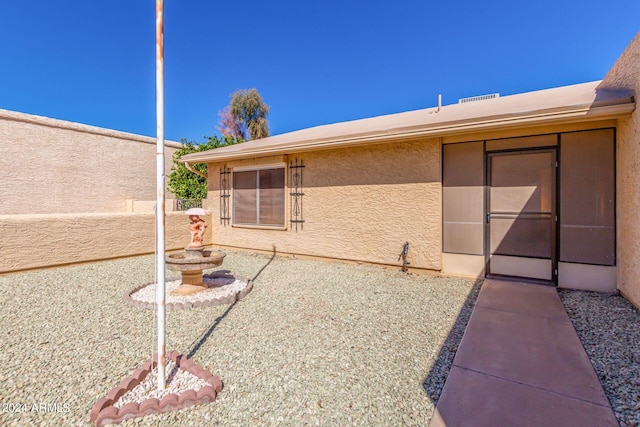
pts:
[521, 363]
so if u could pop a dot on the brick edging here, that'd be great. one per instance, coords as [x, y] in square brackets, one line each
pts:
[104, 413]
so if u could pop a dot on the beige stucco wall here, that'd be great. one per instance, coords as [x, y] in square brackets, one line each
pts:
[625, 74]
[359, 204]
[35, 241]
[74, 193]
[53, 166]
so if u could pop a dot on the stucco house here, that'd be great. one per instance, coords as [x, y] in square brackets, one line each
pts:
[543, 186]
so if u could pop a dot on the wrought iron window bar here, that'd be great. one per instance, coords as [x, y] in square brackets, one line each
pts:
[225, 195]
[295, 181]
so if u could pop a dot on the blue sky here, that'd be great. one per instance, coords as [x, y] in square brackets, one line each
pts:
[313, 62]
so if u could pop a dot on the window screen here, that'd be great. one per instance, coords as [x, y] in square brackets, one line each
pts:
[245, 198]
[587, 197]
[258, 197]
[271, 206]
[463, 194]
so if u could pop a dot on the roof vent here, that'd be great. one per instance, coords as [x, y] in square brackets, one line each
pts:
[479, 98]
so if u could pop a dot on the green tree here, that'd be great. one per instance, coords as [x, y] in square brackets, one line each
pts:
[185, 184]
[245, 117]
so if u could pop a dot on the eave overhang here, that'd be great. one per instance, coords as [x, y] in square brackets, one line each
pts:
[610, 109]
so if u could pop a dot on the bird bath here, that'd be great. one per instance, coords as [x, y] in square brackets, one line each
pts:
[195, 289]
[195, 258]
[190, 264]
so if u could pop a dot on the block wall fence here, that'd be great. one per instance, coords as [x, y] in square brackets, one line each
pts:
[74, 193]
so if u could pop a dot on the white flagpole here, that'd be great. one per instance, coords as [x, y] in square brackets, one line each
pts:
[160, 209]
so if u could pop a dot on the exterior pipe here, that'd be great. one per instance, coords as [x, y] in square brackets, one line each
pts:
[190, 169]
[160, 182]
[403, 257]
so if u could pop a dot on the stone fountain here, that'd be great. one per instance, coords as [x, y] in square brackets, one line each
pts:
[195, 258]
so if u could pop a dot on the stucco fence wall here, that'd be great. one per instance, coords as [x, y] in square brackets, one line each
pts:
[359, 204]
[36, 241]
[625, 74]
[75, 193]
[53, 166]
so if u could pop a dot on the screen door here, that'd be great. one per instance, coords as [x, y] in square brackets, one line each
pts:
[521, 214]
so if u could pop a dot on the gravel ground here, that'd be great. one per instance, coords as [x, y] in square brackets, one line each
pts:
[314, 343]
[609, 328]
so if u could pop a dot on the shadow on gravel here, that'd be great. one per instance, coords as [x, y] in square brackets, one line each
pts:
[434, 381]
[198, 342]
[266, 265]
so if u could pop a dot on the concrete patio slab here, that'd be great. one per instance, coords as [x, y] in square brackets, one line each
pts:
[489, 401]
[521, 362]
[539, 351]
[524, 298]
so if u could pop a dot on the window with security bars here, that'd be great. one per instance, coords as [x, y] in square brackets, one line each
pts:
[259, 197]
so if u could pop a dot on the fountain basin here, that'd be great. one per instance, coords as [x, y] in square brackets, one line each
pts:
[194, 259]
[190, 264]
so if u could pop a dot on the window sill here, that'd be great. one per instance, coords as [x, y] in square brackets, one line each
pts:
[260, 227]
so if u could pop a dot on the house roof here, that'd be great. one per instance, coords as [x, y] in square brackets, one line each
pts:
[578, 102]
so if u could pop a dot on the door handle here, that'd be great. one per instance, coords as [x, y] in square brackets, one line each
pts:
[488, 217]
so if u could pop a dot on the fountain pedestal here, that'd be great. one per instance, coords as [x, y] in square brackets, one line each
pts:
[190, 264]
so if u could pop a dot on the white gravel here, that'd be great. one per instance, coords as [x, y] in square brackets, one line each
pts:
[177, 381]
[609, 327]
[219, 288]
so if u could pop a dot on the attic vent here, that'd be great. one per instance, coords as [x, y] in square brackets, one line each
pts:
[479, 98]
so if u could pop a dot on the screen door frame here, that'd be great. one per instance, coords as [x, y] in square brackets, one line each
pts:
[530, 268]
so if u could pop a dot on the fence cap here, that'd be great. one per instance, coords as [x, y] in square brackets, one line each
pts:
[196, 211]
